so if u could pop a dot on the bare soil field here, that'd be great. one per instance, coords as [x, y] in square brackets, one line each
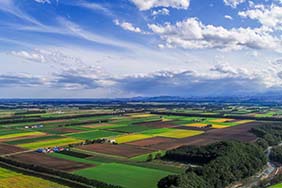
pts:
[48, 161]
[157, 124]
[151, 141]
[240, 132]
[123, 150]
[194, 128]
[8, 149]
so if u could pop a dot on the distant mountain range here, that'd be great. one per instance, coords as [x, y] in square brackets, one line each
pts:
[275, 98]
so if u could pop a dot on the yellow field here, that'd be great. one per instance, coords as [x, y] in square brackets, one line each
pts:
[177, 133]
[219, 126]
[221, 120]
[196, 125]
[141, 115]
[17, 135]
[244, 121]
[50, 143]
[165, 119]
[11, 179]
[130, 138]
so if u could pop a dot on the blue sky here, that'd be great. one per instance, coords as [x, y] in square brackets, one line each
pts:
[127, 48]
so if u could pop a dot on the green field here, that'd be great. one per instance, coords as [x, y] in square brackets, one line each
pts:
[5, 131]
[130, 129]
[125, 175]
[92, 135]
[279, 185]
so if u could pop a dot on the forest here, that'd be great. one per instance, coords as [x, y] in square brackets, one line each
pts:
[218, 165]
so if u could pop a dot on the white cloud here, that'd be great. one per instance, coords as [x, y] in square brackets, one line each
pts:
[190, 83]
[227, 70]
[94, 7]
[8, 6]
[52, 57]
[128, 26]
[73, 74]
[233, 3]
[43, 1]
[74, 29]
[32, 56]
[228, 17]
[163, 11]
[192, 34]
[268, 16]
[78, 78]
[148, 4]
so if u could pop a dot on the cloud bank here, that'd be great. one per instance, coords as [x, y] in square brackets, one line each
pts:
[148, 4]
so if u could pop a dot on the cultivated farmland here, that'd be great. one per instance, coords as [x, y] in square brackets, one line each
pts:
[10, 179]
[120, 146]
[129, 175]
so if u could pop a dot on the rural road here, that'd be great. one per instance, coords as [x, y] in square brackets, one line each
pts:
[266, 173]
[16, 153]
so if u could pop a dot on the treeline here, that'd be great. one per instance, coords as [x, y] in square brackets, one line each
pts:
[196, 155]
[217, 116]
[80, 180]
[75, 154]
[84, 123]
[18, 117]
[276, 154]
[38, 119]
[270, 133]
[221, 164]
[31, 112]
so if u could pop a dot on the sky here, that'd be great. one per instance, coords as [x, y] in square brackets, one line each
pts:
[129, 48]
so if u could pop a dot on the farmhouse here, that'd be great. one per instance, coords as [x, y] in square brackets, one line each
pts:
[34, 126]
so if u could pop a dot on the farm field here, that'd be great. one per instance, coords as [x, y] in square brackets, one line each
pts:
[32, 140]
[172, 133]
[90, 135]
[19, 135]
[50, 143]
[10, 179]
[125, 175]
[48, 161]
[119, 148]
[130, 138]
